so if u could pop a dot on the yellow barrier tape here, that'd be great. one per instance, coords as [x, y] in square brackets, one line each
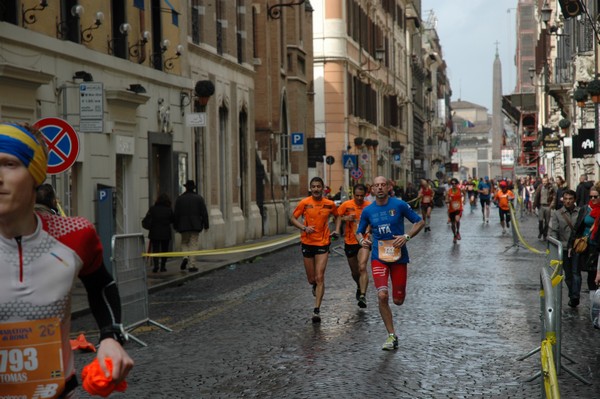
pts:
[556, 280]
[555, 262]
[61, 212]
[516, 226]
[551, 337]
[229, 250]
[557, 265]
[549, 371]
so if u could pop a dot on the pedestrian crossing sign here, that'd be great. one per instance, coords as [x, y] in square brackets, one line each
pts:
[350, 161]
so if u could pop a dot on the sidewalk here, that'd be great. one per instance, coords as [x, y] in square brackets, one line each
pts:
[205, 263]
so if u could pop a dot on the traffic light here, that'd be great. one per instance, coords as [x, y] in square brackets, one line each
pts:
[570, 8]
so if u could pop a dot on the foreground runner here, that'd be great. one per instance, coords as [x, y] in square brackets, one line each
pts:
[315, 238]
[389, 256]
[349, 212]
[454, 199]
[42, 255]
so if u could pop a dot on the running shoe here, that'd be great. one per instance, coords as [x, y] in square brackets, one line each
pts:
[184, 263]
[316, 317]
[454, 241]
[193, 269]
[390, 343]
[458, 236]
[362, 302]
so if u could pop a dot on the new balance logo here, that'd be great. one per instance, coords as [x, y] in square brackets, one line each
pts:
[587, 144]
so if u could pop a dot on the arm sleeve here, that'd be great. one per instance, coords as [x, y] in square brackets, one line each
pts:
[103, 297]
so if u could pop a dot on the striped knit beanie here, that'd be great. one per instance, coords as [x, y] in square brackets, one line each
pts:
[18, 141]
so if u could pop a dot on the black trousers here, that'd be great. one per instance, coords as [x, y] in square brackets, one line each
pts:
[160, 246]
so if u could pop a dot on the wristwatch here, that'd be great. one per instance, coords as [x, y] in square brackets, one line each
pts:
[407, 237]
[115, 331]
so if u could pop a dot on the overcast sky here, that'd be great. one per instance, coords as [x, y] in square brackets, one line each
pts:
[468, 30]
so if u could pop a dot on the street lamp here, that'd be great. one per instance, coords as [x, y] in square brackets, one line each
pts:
[379, 57]
[546, 12]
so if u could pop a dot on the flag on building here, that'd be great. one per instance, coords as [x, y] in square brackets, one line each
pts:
[469, 124]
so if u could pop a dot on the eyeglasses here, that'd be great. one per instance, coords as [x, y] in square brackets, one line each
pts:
[593, 196]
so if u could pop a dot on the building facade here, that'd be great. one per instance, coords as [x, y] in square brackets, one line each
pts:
[377, 91]
[174, 86]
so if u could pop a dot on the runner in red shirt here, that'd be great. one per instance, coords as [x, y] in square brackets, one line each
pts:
[357, 256]
[426, 197]
[315, 211]
[454, 199]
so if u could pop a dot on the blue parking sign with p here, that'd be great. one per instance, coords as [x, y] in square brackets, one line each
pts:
[297, 141]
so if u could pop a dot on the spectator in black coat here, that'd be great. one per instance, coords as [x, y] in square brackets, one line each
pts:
[191, 217]
[158, 221]
[582, 193]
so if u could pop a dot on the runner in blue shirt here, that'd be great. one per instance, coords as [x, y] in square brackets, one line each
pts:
[389, 256]
[485, 190]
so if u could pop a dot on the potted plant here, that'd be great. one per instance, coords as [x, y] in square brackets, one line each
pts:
[204, 89]
[564, 124]
[580, 96]
[368, 142]
[374, 143]
[358, 141]
[593, 89]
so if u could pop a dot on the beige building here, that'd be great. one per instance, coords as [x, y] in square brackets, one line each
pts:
[379, 82]
[471, 141]
[124, 75]
[284, 107]
[362, 85]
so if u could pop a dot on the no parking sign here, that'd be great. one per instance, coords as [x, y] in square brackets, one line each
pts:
[356, 173]
[62, 142]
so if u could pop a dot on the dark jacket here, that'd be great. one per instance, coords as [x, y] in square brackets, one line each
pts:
[538, 194]
[190, 213]
[582, 194]
[161, 217]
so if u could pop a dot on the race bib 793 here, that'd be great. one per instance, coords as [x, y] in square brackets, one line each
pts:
[31, 362]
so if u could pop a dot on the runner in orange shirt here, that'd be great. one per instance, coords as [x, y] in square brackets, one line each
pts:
[502, 198]
[455, 199]
[426, 197]
[315, 211]
[357, 256]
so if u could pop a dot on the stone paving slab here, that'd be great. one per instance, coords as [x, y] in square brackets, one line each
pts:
[471, 310]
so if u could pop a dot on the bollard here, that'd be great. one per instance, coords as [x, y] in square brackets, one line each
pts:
[551, 276]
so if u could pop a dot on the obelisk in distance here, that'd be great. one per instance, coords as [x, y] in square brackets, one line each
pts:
[497, 123]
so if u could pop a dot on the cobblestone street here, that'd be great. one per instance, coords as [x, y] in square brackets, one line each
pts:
[471, 310]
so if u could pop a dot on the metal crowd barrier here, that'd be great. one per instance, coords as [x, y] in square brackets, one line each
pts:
[130, 274]
[551, 276]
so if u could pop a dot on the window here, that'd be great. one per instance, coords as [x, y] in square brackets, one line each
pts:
[223, 161]
[197, 14]
[254, 33]
[8, 12]
[221, 26]
[241, 30]
[119, 39]
[156, 57]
